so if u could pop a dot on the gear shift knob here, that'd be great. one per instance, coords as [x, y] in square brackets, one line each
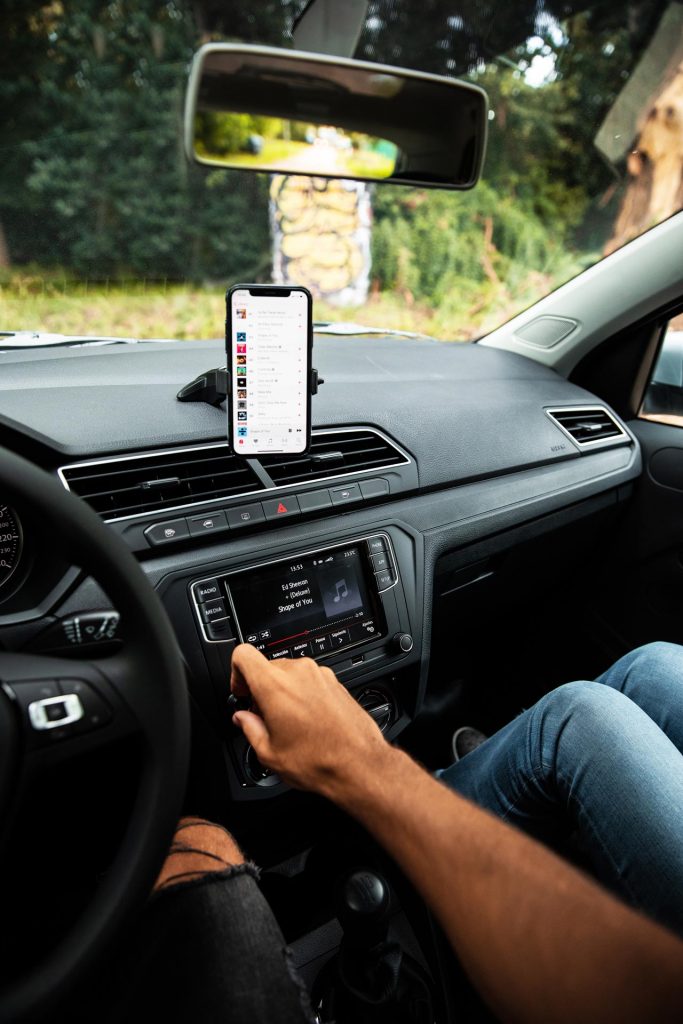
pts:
[363, 908]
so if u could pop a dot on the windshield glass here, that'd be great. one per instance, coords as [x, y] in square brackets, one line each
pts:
[107, 230]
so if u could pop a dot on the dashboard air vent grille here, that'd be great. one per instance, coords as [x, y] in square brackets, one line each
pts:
[588, 426]
[164, 480]
[335, 453]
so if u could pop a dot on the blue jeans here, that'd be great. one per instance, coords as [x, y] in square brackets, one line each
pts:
[601, 760]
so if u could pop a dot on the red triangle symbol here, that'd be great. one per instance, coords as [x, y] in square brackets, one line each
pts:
[281, 508]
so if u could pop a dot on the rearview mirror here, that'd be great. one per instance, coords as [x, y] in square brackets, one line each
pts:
[264, 109]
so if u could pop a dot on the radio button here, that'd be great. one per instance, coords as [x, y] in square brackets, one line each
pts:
[340, 495]
[380, 561]
[245, 515]
[376, 545]
[384, 579]
[207, 591]
[213, 610]
[311, 501]
[210, 523]
[302, 650]
[320, 645]
[280, 508]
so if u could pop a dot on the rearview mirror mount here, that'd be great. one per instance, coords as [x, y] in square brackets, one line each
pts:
[284, 111]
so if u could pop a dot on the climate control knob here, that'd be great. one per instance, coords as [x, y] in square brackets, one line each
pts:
[403, 642]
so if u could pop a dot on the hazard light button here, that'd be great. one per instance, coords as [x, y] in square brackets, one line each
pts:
[280, 508]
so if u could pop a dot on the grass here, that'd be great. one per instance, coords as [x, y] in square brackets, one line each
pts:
[53, 303]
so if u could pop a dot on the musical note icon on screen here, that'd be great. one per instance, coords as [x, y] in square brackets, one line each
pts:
[342, 591]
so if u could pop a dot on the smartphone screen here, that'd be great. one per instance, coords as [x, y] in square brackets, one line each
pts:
[269, 336]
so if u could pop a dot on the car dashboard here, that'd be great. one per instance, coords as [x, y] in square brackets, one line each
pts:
[422, 454]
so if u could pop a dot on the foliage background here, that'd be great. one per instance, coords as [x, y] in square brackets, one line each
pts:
[105, 227]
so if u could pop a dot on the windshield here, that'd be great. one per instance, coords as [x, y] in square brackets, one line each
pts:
[107, 230]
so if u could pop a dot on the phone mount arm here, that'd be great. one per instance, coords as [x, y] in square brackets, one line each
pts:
[213, 386]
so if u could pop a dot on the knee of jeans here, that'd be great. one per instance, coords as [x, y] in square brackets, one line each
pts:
[586, 706]
[661, 656]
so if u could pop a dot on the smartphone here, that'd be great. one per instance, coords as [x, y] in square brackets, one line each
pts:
[269, 344]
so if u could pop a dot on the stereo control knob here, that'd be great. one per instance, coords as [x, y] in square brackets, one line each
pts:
[403, 642]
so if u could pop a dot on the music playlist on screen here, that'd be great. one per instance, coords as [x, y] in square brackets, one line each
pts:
[269, 358]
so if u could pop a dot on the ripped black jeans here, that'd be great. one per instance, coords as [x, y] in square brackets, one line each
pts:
[208, 951]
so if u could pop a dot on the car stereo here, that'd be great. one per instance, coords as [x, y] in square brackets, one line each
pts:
[309, 605]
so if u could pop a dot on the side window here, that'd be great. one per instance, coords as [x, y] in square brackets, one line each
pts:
[663, 400]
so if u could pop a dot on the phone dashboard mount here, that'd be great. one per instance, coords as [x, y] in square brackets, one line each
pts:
[213, 386]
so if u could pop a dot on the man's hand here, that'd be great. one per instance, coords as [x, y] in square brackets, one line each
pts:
[308, 728]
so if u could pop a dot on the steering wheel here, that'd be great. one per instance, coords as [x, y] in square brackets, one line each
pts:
[52, 709]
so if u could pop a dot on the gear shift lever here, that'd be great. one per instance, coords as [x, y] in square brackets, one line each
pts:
[363, 909]
[372, 980]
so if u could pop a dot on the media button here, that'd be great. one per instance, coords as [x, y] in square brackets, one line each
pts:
[245, 515]
[340, 495]
[380, 561]
[280, 508]
[265, 634]
[251, 639]
[339, 638]
[207, 591]
[284, 653]
[320, 645]
[302, 650]
[376, 545]
[213, 610]
[210, 523]
[384, 579]
[166, 533]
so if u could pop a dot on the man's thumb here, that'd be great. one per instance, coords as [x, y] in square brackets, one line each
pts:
[254, 728]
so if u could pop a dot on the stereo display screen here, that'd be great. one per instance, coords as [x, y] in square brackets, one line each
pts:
[310, 606]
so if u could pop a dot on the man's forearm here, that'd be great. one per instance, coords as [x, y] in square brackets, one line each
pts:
[540, 941]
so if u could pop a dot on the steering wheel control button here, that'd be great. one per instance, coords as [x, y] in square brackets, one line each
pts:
[167, 533]
[374, 488]
[52, 712]
[376, 545]
[340, 495]
[26, 693]
[311, 501]
[280, 508]
[209, 590]
[245, 515]
[380, 561]
[213, 522]
[384, 579]
[96, 712]
[221, 629]
[213, 610]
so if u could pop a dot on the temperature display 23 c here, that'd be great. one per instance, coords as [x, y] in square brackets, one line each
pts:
[11, 543]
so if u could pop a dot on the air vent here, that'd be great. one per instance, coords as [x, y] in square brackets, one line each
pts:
[591, 425]
[164, 481]
[335, 453]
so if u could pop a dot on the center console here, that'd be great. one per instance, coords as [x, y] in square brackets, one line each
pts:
[343, 604]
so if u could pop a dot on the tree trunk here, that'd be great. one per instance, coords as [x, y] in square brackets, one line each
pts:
[655, 167]
[4, 251]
